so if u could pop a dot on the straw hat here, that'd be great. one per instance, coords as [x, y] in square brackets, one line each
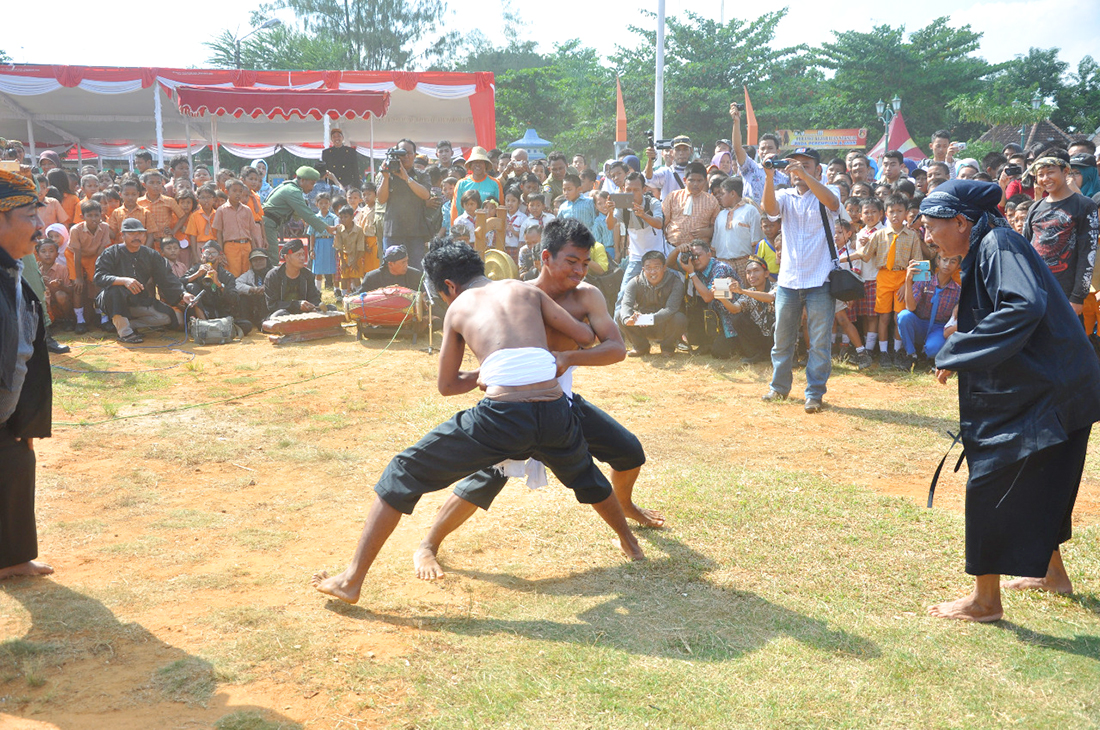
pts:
[478, 154]
[499, 265]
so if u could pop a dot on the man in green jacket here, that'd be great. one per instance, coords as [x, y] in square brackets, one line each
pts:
[289, 200]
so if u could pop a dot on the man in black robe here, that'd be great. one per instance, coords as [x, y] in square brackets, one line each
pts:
[25, 384]
[1029, 392]
[342, 161]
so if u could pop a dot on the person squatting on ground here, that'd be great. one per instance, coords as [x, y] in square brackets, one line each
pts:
[525, 412]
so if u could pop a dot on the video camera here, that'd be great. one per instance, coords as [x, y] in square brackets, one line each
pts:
[773, 164]
[394, 155]
[657, 144]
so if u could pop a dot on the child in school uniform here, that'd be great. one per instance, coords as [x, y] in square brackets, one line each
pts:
[188, 204]
[321, 252]
[350, 243]
[870, 214]
[131, 192]
[200, 226]
[170, 250]
[55, 275]
[845, 322]
[891, 248]
[87, 240]
[464, 227]
[513, 222]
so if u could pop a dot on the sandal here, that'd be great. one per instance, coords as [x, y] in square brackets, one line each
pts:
[132, 339]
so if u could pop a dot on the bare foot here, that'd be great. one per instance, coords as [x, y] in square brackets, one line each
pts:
[634, 552]
[335, 586]
[426, 565]
[967, 609]
[644, 517]
[1051, 585]
[29, 568]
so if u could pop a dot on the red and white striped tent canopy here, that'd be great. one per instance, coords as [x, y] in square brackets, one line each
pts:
[116, 111]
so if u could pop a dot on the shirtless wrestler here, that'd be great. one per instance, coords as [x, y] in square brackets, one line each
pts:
[566, 246]
[524, 414]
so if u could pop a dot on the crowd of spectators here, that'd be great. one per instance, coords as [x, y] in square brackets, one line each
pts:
[725, 251]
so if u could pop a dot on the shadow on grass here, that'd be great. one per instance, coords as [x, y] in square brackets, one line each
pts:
[663, 608]
[75, 634]
[1081, 645]
[939, 425]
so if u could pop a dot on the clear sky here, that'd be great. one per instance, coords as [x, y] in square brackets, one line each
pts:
[1010, 26]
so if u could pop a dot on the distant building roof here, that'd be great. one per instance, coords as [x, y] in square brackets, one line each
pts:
[1044, 131]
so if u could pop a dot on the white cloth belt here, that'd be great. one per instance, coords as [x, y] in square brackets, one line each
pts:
[533, 469]
[518, 366]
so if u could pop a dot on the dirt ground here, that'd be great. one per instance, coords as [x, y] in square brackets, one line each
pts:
[265, 488]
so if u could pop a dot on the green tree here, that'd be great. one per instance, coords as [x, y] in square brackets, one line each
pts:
[361, 35]
[929, 69]
[1079, 100]
[275, 49]
[700, 83]
[569, 99]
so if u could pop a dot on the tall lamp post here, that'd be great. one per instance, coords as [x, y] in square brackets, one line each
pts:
[1036, 102]
[886, 115]
[237, 41]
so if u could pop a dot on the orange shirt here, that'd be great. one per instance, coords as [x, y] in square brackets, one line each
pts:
[163, 213]
[71, 205]
[120, 214]
[199, 226]
[236, 224]
[89, 245]
[256, 207]
[51, 213]
[78, 214]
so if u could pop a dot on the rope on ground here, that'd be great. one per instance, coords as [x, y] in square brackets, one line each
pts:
[251, 393]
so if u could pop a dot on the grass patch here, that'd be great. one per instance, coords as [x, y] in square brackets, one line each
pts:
[252, 720]
[190, 680]
[189, 519]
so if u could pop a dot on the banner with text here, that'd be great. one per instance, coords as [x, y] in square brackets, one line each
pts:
[824, 138]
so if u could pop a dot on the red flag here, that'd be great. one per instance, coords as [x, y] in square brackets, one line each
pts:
[620, 113]
[750, 119]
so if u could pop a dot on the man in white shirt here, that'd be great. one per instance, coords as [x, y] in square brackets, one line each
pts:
[644, 229]
[737, 229]
[803, 274]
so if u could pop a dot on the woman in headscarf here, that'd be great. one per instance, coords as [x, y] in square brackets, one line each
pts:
[1084, 165]
[1029, 392]
[722, 161]
[265, 187]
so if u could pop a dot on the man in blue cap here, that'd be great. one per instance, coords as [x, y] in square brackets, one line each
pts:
[1029, 392]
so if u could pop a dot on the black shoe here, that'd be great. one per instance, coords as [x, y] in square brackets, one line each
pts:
[107, 326]
[885, 361]
[813, 405]
[80, 328]
[56, 347]
[773, 396]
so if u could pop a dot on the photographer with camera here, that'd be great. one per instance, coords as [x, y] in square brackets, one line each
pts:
[711, 324]
[645, 223]
[668, 179]
[750, 170]
[803, 273]
[405, 192]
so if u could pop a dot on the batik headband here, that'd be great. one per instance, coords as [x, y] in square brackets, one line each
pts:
[16, 191]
